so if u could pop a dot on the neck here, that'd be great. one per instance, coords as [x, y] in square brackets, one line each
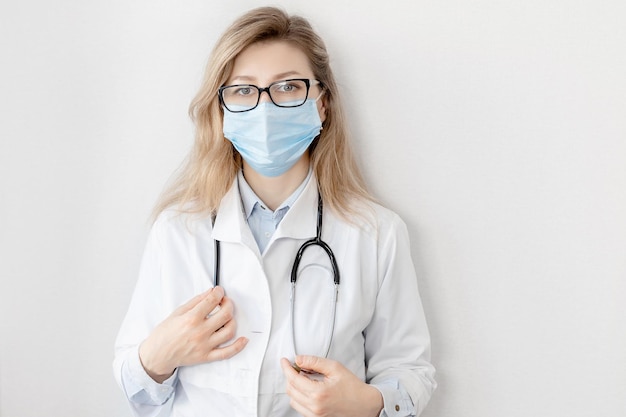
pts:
[274, 190]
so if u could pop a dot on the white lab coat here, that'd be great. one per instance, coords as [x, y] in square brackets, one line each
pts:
[380, 331]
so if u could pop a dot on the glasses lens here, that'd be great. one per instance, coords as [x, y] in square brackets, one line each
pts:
[291, 93]
[240, 97]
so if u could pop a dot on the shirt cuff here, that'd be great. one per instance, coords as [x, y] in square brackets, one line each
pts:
[396, 400]
[141, 388]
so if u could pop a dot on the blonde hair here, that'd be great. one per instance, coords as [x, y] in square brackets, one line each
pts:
[213, 163]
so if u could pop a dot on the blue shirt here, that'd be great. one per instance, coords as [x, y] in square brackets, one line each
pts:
[263, 221]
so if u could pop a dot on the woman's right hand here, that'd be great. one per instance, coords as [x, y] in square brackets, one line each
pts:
[191, 335]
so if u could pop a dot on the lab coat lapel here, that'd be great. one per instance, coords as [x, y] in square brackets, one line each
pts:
[230, 222]
[301, 220]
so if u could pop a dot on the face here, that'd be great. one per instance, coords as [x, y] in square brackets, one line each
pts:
[262, 63]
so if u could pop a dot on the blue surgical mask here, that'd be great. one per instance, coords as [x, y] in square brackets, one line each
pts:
[272, 139]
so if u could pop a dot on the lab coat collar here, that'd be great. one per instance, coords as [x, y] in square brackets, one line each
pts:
[299, 222]
[230, 221]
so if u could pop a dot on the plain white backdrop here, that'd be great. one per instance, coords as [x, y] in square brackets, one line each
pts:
[496, 129]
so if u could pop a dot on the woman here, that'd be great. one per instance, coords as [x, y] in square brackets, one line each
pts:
[213, 327]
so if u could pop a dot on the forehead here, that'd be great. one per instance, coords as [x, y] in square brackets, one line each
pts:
[267, 61]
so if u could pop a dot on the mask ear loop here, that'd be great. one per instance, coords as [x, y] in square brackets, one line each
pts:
[323, 88]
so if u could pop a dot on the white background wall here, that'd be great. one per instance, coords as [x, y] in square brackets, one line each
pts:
[497, 129]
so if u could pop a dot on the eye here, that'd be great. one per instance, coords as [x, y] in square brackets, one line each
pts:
[289, 87]
[243, 91]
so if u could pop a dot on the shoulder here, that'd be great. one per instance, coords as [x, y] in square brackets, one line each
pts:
[386, 216]
[175, 222]
[372, 219]
[389, 225]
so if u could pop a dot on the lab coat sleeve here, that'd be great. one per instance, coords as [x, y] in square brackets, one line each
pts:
[146, 397]
[396, 400]
[397, 341]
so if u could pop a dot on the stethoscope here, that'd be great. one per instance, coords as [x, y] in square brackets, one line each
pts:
[316, 241]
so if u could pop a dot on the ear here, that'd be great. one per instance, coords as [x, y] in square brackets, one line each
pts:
[321, 108]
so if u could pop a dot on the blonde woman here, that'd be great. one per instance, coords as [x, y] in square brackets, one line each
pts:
[223, 320]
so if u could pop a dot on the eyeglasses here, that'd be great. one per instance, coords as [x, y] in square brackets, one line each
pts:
[239, 98]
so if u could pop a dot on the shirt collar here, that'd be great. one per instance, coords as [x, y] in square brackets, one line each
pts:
[249, 199]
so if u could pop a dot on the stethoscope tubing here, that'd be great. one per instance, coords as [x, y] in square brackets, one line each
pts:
[316, 241]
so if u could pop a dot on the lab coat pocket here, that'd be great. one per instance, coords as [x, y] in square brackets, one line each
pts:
[228, 376]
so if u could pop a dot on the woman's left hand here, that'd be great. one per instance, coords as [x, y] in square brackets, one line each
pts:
[337, 393]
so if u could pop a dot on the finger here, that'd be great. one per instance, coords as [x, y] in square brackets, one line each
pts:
[301, 409]
[227, 306]
[292, 390]
[211, 299]
[288, 369]
[299, 385]
[223, 334]
[182, 309]
[301, 401]
[316, 364]
[227, 352]
[222, 315]
[293, 372]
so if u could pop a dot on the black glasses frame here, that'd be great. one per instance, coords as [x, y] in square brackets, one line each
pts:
[307, 82]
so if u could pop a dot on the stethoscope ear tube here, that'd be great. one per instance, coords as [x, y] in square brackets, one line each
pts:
[316, 241]
[216, 280]
[216, 267]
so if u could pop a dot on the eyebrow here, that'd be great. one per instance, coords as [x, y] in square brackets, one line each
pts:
[276, 77]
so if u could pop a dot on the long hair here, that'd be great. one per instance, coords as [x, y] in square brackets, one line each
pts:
[213, 163]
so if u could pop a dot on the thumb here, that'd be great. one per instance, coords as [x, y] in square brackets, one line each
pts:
[316, 364]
